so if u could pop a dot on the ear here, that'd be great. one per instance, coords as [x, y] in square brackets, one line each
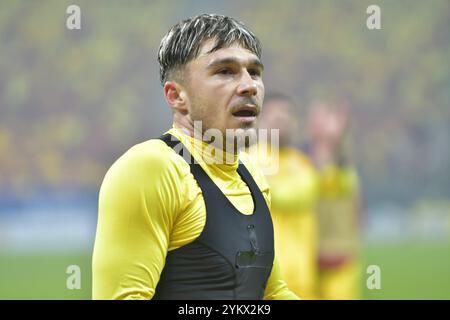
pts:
[176, 96]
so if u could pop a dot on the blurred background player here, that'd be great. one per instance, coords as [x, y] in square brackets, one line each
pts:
[315, 198]
[338, 206]
[294, 192]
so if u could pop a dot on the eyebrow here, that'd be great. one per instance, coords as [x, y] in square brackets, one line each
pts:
[230, 60]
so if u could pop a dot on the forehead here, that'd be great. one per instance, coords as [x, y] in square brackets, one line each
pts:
[235, 50]
[278, 104]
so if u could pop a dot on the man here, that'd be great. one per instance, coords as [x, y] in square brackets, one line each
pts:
[338, 208]
[294, 191]
[175, 223]
[314, 201]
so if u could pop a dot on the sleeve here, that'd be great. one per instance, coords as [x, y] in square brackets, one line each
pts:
[138, 201]
[276, 288]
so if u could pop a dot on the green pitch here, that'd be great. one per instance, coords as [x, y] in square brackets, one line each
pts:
[43, 276]
[408, 271]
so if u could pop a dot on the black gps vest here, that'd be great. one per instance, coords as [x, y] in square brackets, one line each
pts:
[233, 256]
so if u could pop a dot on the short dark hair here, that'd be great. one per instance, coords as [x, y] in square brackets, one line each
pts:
[183, 41]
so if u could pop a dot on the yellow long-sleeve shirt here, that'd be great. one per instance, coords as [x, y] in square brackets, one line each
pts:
[150, 204]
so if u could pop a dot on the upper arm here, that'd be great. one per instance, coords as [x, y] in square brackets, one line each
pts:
[137, 209]
[276, 288]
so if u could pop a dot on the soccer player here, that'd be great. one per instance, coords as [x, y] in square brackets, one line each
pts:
[174, 222]
[294, 189]
[338, 207]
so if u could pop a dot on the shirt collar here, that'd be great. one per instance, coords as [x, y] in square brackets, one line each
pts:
[206, 152]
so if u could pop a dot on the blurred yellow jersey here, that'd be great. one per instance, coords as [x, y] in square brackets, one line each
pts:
[337, 211]
[294, 189]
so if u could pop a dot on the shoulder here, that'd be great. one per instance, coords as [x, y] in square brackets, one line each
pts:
[147, 161]
[255, 170]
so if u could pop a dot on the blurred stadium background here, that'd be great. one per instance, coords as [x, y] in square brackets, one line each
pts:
[72, 101]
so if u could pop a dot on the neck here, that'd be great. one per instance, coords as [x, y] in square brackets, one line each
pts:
[185, 124]
[211, 151]
[192, 129]
[323, 154]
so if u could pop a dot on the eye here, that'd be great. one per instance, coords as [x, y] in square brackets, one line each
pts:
[225, 71]
[254, 72]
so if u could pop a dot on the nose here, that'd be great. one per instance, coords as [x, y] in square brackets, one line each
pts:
[247, 85]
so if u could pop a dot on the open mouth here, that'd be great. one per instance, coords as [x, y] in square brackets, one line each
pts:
[245, 113]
